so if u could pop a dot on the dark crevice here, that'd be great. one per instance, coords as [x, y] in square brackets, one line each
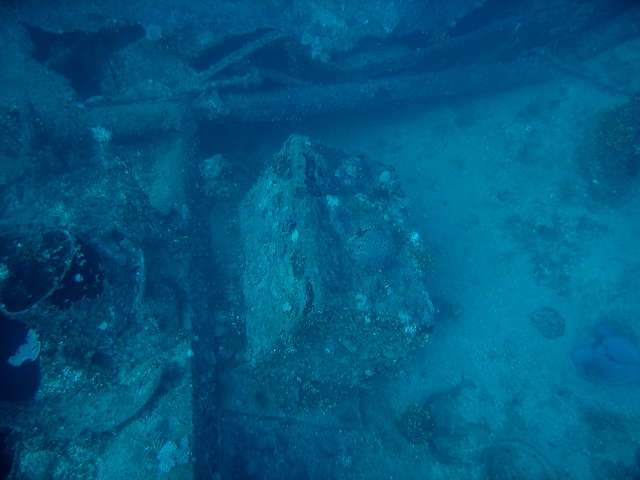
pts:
[81, 57]
[6, 453]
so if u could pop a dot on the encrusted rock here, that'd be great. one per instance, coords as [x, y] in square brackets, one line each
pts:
[334, 281]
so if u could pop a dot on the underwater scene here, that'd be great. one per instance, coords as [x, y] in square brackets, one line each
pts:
[320, 239]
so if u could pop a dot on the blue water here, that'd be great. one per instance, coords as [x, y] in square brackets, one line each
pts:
[320, 239]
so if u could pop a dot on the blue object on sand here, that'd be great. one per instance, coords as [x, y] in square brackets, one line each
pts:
[611, 357]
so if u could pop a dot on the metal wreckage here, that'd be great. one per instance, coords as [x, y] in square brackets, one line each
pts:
[175, 303]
